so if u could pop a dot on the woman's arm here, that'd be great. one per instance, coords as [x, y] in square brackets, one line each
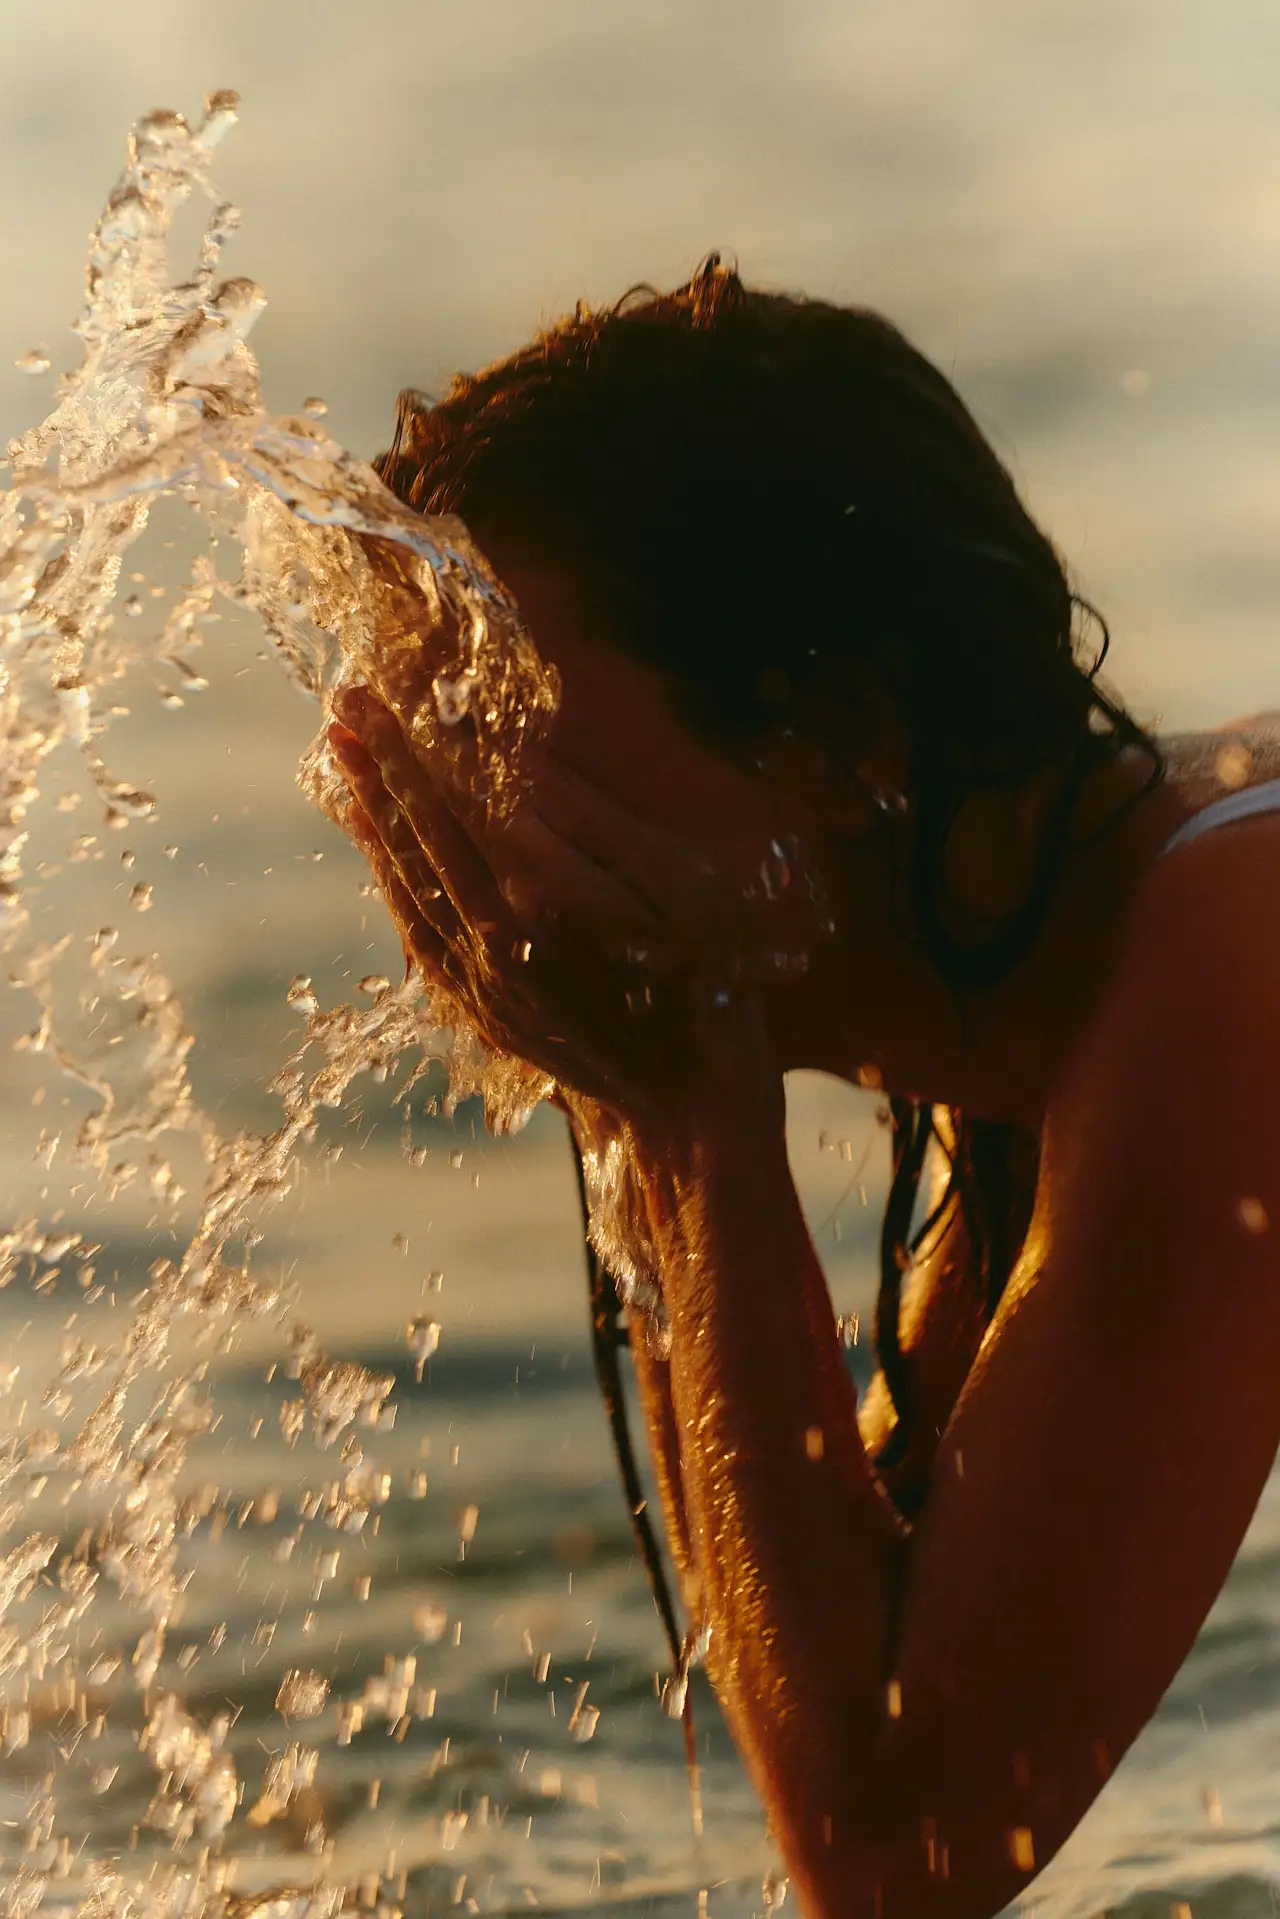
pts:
[796, 1549]
[928, 1716]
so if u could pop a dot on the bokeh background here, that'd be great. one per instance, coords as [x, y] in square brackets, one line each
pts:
[1072, 206]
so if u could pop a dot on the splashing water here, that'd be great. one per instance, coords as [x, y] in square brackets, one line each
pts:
[166, 401]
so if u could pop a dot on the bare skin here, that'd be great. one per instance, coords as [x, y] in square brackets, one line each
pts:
[927, 1708]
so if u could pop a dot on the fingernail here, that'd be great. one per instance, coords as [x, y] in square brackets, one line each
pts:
[348, 701]
[359, 706]
[346, 748]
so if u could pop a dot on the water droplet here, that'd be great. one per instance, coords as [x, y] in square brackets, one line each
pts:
[452, 1827]
[453, 697]
[140, 896]
[221, 110]
[302, 1694]
[131, 803]
[423, 1338]
[775, 1884]
[775, 871]
[430, 1623]
[315, 406]
[1253, 1216]
[35, 360]
[583, 1724]
[373, 983]
[301, 997]
[73, 699]
[133, 606]
[1022, 1850]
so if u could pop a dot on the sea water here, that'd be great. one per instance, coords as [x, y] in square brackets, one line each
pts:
[315, 1586]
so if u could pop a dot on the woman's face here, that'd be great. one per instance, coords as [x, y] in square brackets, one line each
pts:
[618, 723]
[744, 829]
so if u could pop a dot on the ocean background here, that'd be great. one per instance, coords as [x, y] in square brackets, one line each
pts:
[1074, 208]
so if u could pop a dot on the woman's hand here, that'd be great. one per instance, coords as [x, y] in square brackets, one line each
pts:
[552, 934]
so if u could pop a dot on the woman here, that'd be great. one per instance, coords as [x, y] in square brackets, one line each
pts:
[830, 786]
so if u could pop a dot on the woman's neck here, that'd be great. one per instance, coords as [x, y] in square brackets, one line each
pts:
[886, 1015]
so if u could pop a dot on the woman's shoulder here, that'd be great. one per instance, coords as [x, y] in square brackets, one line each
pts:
[1121, 1417]
[1191, 1014]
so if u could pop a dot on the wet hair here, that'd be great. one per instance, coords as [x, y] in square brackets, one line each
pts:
[765, 491]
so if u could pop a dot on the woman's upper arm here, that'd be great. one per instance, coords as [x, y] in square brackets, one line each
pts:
[1122, 1417]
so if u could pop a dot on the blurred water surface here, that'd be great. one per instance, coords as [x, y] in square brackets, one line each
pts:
[1072, 207]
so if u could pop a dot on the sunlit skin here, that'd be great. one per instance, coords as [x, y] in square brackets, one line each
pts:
[927, 1708]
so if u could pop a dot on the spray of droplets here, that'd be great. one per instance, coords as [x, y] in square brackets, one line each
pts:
[166, 402]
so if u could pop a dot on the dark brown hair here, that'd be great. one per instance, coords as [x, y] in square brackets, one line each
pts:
[766, 488]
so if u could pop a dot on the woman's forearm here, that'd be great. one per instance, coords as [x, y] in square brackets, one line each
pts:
[798, 1551]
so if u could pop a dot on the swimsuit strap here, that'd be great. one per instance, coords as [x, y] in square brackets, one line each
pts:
[1264, 798]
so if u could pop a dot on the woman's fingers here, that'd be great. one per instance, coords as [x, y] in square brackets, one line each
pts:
[440, 900]
[701, 913]
[532, 987]
[443, 839]
[668, 872]
[572, 858]
[393, 835]
[546, 878]
[504, 992]
[424, 947]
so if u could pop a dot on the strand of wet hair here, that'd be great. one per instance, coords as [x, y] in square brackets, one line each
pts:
[911, 1129]
[980, 1170]
[607, 1339]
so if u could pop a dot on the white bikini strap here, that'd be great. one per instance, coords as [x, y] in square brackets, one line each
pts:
[1264, 798]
